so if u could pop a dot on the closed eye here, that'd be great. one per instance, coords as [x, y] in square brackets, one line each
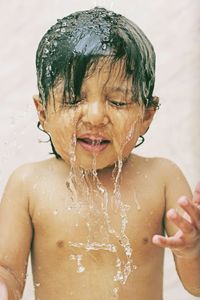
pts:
[117, 103]
[72, 102]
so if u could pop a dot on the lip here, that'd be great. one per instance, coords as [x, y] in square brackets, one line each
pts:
[93, 143]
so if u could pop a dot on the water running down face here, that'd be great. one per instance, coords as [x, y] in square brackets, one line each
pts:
[105, 122]
[68, 62]
[96, 72]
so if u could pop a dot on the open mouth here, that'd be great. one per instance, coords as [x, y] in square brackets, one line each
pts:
[93, 142]
[94, 145]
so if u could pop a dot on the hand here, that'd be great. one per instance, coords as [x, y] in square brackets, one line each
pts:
[3, 291]
[186, 241]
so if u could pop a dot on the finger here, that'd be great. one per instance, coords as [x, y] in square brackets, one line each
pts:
[192, 210]
[196, 196]
[167, 242]
[3, 291]
[182, 223]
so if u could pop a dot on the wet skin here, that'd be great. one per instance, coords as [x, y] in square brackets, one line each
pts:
[50, 217]
[105, 111]
[45, 216]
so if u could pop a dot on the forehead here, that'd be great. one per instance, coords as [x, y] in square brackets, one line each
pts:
[108, 72]
[104, 73]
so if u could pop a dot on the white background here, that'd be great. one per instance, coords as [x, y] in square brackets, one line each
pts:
[173, 28]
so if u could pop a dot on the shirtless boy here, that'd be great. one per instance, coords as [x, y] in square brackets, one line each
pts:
[94, 216]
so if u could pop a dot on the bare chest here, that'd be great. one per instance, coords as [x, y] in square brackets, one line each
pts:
[97, 236]
[101, 221]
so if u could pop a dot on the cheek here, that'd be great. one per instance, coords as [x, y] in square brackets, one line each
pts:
[126, 130]
[62, 129]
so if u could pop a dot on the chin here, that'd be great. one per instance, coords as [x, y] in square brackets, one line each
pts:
[99, 164]
[96, 162]
[92, 163]
[91, 167]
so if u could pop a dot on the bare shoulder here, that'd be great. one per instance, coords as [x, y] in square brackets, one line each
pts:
[25, 176]
[165, 173]
[165, 167]
[162, 171]
[28, 171]
[172, 175]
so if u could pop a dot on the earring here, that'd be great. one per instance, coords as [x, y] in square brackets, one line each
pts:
[39, 126]
[141, 142]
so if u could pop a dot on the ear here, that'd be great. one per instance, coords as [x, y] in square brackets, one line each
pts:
[149, 114]
[41, 110]
[147, 119]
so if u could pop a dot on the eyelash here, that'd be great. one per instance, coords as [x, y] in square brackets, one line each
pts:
[116, 104]
[71, 104]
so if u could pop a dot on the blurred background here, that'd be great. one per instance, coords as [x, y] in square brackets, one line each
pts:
[174, 29]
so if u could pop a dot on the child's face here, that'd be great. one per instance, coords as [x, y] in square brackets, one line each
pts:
[103, 127]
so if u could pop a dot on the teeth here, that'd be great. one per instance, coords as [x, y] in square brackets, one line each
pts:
[94, 142]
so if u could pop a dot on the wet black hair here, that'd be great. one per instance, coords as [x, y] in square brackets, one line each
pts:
[78, 41]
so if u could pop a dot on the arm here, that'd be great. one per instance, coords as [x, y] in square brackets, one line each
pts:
[15, 236]
[182, 223]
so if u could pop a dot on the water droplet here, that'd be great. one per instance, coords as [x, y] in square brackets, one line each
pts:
[37, 284]
[137, 202]
[72, 257]
[55, 212]
[115, 291]
[118, 263]
[104, 46]
[134, 267]
[119, 276]
[80, 269]
[128, 251]
[78, 258]
[46, 51]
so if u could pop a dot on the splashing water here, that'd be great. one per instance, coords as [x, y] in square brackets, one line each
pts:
[138, 206]
[123, 270]
[104, 3]
[98, 200]
[94, 246]
[71, 180]
[130, 133]
[78, 258]
[115, 291]
[122, 274]
[72, 150]
[37, 284]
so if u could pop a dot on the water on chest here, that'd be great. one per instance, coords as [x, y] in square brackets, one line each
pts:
[94, 226]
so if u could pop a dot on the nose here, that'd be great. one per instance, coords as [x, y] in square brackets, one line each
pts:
[95, 113]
